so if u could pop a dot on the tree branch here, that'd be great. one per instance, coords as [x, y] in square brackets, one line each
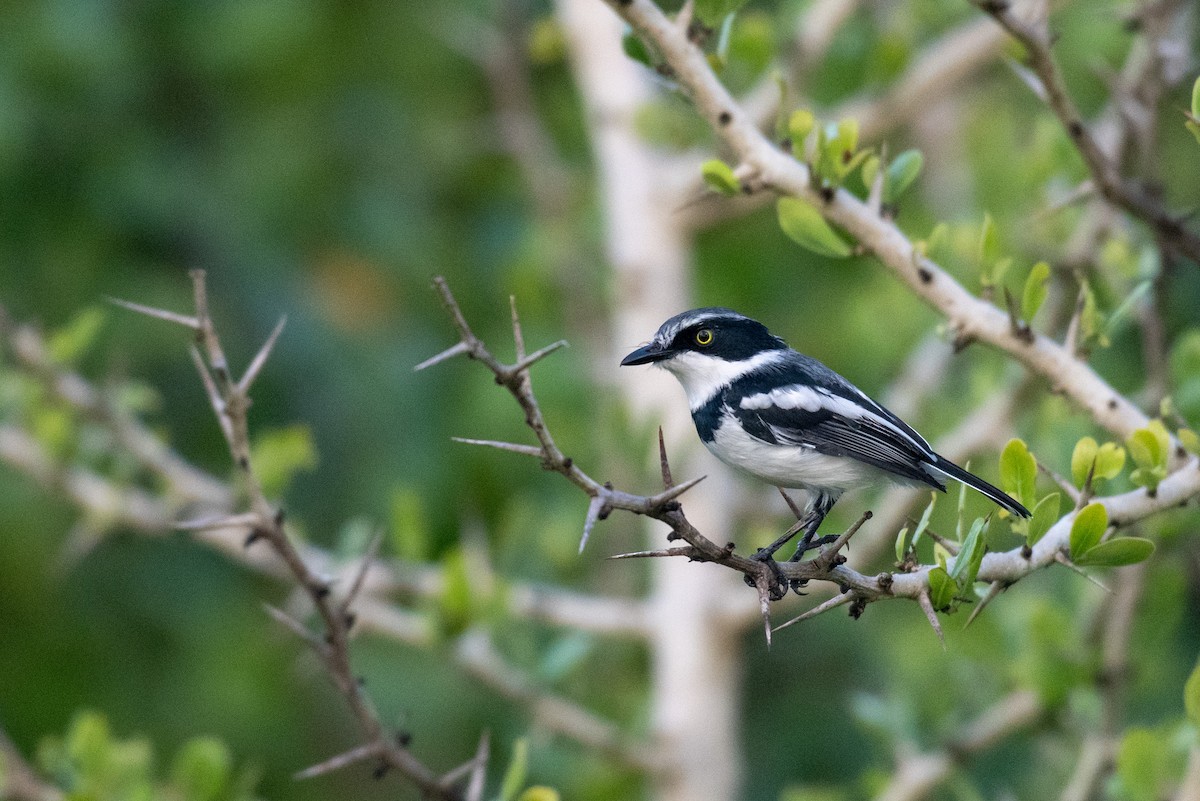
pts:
[1128, 194]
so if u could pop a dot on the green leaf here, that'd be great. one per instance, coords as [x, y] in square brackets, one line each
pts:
[68, 344]
[1110, 461]
[805, 226]
[723, 38]
[720, 178]
[711, 12]
[635, 48]
[1196, 98]
[1036, 290]
[1145, 765]
[1045, 515]
[202, 769]
[1082, 459]
[1091, 321]
[902, 544]
[923, 523]
[540, 793]
[518, 768]
[1087, 529]
[800, 125]
[280, 453]
[410, 535]
[1121, 312]
[970, 556]
[989, 243]
[870, 169]
[941, 589]
[1018, 471]
[1117, 552]
[1190, 440]
[1143, 447]
[1191, 696]
[903, 170]
[455, 605]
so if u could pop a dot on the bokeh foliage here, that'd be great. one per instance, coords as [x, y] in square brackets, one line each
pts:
[324, 160]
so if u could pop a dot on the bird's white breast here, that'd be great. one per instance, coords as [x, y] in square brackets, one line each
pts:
[793, 466]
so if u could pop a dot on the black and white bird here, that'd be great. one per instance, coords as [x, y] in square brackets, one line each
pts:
[789, 420]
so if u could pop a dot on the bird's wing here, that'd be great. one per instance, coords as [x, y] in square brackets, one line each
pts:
[831, 423]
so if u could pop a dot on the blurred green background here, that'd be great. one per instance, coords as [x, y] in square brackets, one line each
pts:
[324, 161]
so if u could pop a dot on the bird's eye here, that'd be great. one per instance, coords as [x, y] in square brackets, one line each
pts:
[704, 337]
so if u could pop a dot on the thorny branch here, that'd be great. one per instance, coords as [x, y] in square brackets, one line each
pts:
[230, 399]
[1132, 196]
[772, 579]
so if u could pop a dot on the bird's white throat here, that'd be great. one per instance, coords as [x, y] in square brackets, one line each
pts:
[703, 376]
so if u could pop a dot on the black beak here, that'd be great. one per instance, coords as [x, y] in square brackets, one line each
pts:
[647, 354]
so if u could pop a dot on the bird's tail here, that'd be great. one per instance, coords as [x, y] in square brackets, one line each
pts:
[997, 495]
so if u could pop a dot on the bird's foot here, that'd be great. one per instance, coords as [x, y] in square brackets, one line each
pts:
[811, 545]
[779, 585]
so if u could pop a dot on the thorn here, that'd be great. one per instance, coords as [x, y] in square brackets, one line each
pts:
[764, 606]
[994, 589]
[261, 357]
[161, 314]
[518, 336]
[668, 482]
[1065, 562]
[832, 603]
[448, 353]
[682, 550]
[796, 510]
[827, 557]
[526, 450]
[655, 501]
[931, 616]
[340, 761]
[538, 355]
[360, 576]
[596, 509]
[290, 623]
[247, 520]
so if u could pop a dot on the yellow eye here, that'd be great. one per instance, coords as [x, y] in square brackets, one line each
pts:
[704, 337]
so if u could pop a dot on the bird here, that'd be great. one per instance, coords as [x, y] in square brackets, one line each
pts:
[787, 419]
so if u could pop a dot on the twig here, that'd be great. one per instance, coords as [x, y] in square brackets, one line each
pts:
[1130, 195]
[230, 401]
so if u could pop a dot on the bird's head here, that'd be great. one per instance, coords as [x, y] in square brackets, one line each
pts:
[707, 349]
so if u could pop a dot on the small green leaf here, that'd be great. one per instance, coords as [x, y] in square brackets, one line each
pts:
[901, 173]
[1196, 98]
[923, 523]
[1045, 515]
[1110, 461]
[870, 169]
[518, 767]
[711, 12]
[1087, 529]
[539, 793]
[941, 589]
[989, 242]
[1018, 471]
[1121, 312]
[1143, 764]
[805, 226]
[720, 178]
[1082, 459]
[635, 48]
[800, 125]
[1116, 552]
[68, 344]
[455, 603]
[1191, 696]
[1091, 321]
[902, 543]
[1189, 439]
[970, 556]
[1143, 447]
[202, 769]
[1035, 292]
[279, 454]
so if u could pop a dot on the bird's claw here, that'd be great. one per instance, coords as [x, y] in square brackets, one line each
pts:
[779, 585]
